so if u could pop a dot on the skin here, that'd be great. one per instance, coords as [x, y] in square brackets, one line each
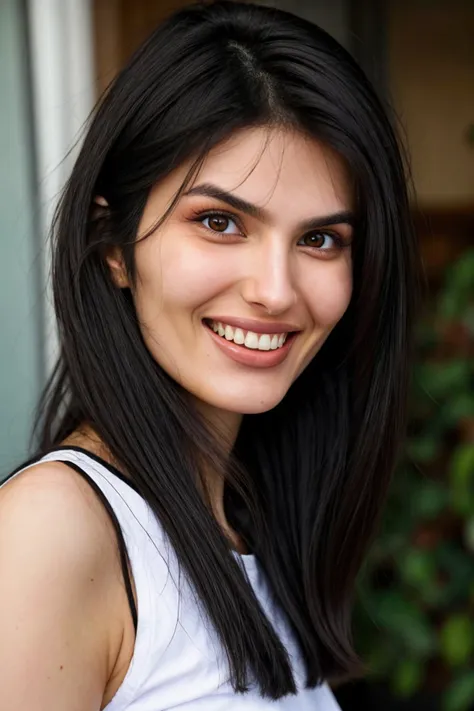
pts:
[255, 270]
[66, 633]
[58, 552]
[260, 268]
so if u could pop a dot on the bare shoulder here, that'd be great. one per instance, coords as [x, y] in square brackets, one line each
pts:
[52, 510]
[58, 576]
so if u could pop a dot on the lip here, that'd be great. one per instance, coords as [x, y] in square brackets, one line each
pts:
[247, 324]
[252, 357]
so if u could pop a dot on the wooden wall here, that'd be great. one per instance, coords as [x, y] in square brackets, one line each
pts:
[431, 76]
[431, 83]
[120, 26]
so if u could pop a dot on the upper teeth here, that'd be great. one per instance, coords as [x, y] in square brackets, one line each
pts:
[260, 341]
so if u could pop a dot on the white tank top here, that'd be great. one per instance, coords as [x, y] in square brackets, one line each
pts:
[178, 660]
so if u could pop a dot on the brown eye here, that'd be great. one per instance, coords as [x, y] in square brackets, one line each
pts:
[219, 223]
[323, 241]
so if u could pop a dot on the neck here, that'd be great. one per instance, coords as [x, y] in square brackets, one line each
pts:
[224, 424]
[226, 427]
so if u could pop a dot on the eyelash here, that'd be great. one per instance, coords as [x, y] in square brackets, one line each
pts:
[201, 216]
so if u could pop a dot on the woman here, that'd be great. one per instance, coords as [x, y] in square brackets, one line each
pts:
[234, 279]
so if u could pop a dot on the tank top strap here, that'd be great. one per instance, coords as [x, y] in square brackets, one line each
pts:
[178, 659]
[143, 548]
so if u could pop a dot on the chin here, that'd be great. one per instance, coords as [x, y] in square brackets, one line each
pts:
[247, 403]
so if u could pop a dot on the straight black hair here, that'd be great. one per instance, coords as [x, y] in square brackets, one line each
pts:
[306, 481]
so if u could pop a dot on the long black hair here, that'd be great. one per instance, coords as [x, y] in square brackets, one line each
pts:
[305, 482]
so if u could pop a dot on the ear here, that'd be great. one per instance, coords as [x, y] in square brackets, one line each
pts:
[118, 271]
[99, 207]
[113, 255]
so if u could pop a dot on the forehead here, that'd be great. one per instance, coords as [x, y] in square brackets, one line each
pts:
[279, 170]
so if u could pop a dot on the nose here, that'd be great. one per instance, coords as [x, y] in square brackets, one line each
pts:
[270, 283]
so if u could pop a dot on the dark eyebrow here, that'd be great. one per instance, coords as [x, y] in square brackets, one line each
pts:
[213, 191]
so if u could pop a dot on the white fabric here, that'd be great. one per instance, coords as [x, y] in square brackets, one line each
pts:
[178, 662]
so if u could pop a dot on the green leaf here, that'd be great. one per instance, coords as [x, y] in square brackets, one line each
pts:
[457, 569]
[460, 695]
[461, 475]
[469, 535]
[440, 380]
[406, 622]
[458, 407]
[430, 499]
[462, 465]
[458, 288]
[423, 449]
[417, 567]
[457, 640]
[407, 677]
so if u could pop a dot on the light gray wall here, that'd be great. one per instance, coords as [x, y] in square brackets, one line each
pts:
[20, 359]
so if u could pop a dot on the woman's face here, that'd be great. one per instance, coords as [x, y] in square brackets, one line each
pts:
[258, 248]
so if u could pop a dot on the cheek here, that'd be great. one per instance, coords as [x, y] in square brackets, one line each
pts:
[177, 272]
[329, 293]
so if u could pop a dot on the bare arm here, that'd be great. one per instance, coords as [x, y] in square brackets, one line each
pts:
[57, 577]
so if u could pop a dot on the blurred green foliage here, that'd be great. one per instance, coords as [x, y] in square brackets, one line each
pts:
[414, 622]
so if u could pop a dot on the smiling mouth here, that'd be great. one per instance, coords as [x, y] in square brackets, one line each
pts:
[249, 340]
